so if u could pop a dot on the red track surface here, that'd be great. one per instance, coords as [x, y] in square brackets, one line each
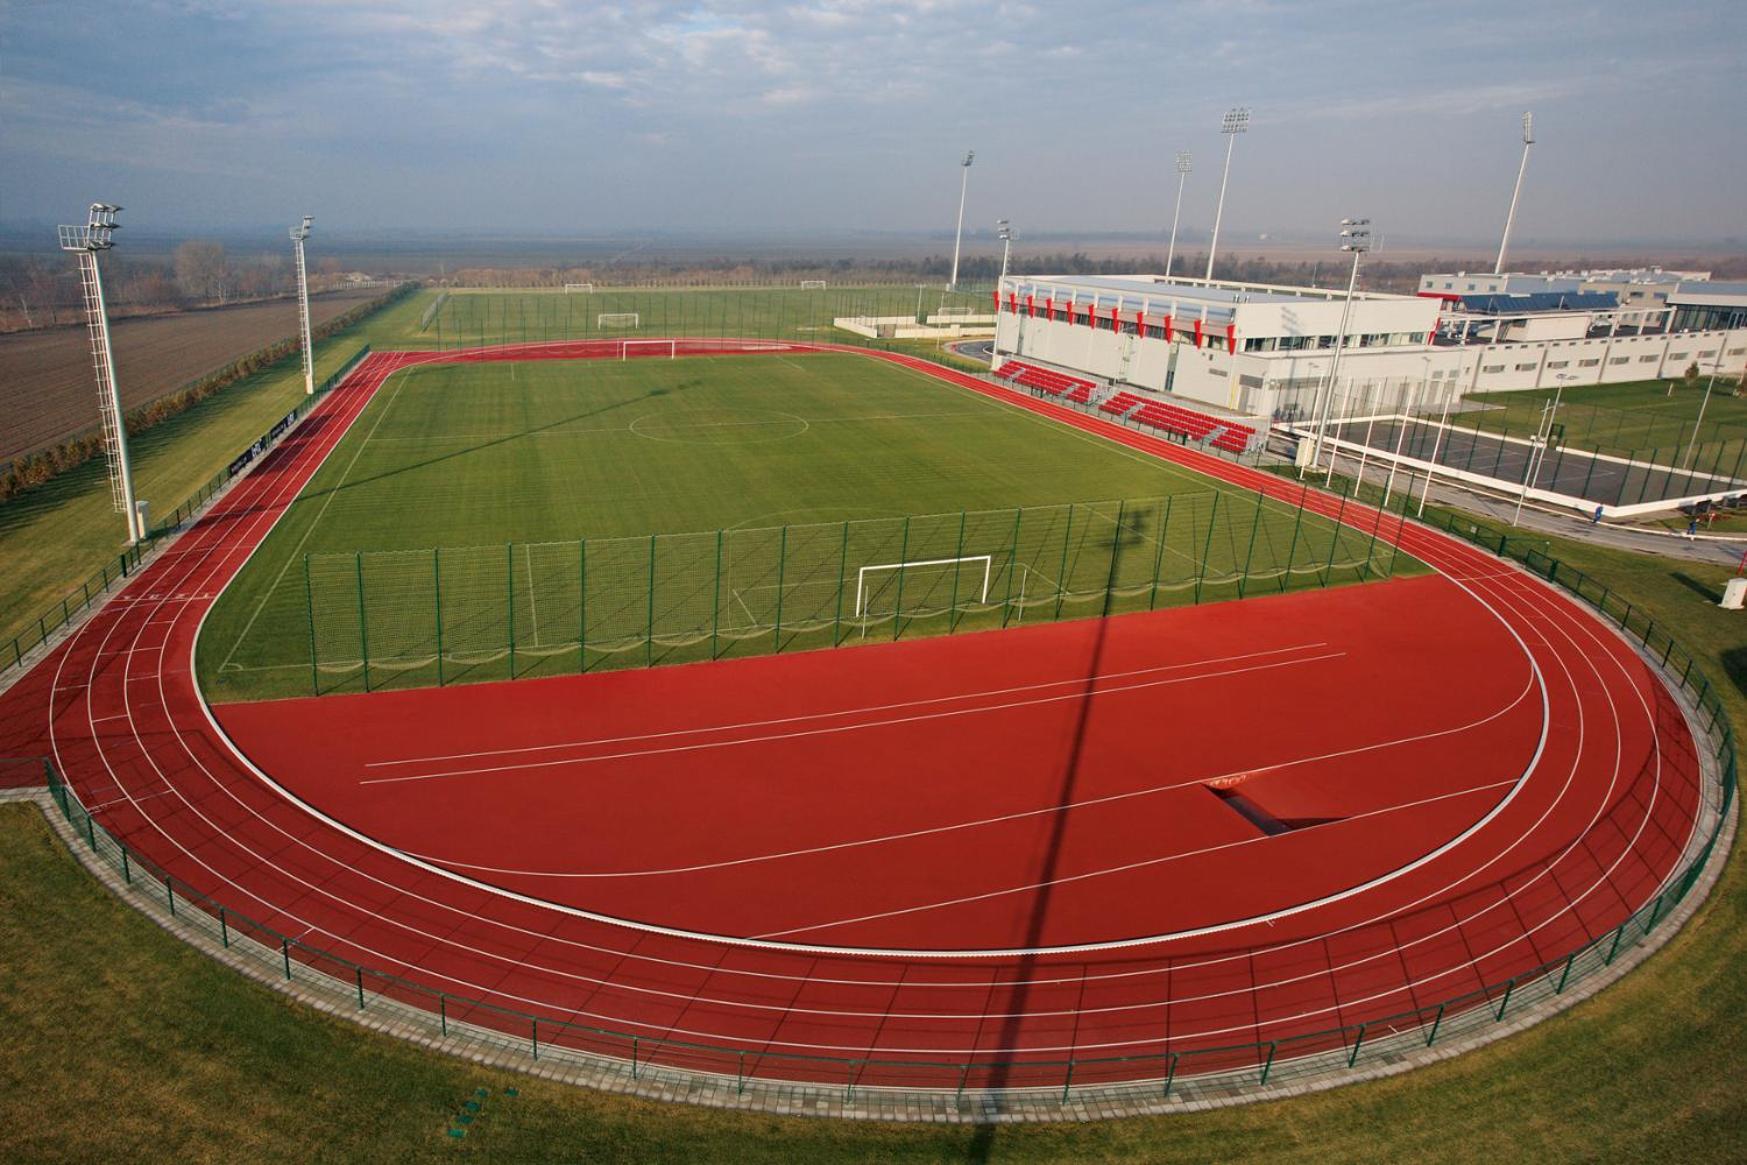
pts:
[1555, 796]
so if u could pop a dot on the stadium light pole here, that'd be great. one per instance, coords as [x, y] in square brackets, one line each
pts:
[964, 185]
[1538, 448]
[1004, 231]
[1710, 384]
[1236, 121]
[298, 234]
[98, 234]
[1510, 219]
[1356, 239]
[1185, 163]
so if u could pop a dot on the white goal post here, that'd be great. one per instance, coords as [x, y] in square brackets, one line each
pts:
[618, 319]
[587, 288]
[669, 348]
[862, 594]
[813, 285]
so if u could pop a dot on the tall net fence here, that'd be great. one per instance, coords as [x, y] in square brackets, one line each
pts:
[1541, 442]
[437, 616]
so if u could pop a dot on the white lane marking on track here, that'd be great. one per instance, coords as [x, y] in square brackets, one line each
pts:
[1018, 815]
[1588, 631]
[837, 730]
[1077, 681]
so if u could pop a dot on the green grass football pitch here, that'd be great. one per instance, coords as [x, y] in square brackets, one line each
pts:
[474, 318]
[1650, 420]
[558, 490]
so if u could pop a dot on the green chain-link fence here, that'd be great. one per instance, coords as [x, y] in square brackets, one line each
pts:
[421, 617]
[1180, 1069]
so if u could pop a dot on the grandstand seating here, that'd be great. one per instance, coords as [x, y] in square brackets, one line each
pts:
[1076, 388]
[1121, 403]
[1228, 435]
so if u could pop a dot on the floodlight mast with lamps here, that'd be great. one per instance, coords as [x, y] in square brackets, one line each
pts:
[1356, 239]
[1185, 163]
[1003, 231]
[98, 234]
[298, 235]
[1510, 219]
[963, 186]
[1234, 122]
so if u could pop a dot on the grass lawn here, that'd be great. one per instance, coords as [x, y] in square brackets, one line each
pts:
[508, 467]
[468, 318]
[122, 1043]
[1641, 420]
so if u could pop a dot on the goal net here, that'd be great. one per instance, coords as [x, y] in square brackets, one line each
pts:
[813, 285]
[617, 319]
[631, 348]
[922, 584]
[587, 288]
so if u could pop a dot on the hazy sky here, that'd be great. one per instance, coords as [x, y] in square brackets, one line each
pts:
[580, 118]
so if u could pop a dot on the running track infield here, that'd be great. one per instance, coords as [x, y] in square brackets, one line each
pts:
[1164, 833]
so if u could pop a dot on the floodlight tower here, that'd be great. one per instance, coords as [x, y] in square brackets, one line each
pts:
[963, 186]
[1234, 122]
[1355, 239]
[1004, 232]
[298, 235]
[1185, 163]
[1510, 219]
[98, 234]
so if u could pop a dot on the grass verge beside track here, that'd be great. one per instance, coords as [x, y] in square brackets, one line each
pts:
[123, 1043]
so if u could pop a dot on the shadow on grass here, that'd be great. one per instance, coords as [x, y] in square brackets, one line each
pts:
[1710, 593]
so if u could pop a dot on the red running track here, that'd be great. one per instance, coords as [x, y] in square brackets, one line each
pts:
[1467, 830]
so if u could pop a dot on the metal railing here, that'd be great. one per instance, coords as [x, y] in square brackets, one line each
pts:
[1184, 1072]
[111, 575]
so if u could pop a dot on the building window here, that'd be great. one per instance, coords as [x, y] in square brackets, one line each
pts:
[1588, 363]
[1492, 368]
[1530, 367]
[1215, 370]
[1250, 381]
[1558, 364]
[1650, 359]
[1620, 360]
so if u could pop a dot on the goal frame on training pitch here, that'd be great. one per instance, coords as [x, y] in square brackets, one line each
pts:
[862, 594]
[601, 318]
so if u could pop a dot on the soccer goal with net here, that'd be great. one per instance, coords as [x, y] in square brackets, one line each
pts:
[881, 583]
[813, 285]
[585, 288]
[640, 348]
[618, 319]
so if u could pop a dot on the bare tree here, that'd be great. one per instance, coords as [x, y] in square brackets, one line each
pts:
[202, 270]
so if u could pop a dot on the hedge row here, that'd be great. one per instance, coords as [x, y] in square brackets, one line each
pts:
[34, 469]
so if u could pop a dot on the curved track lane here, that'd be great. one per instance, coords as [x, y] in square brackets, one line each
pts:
[117, 707]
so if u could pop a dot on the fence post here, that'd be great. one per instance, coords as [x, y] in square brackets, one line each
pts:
[842, 565]
[782, 558]
[360, 971]
[309, 617]
[1207, 546]
[903, 555]
[534, 1030]
[1159, 555]
[582, 606]
[285, 953]
[363, 632]
[1171, 1071]
[1565, 974]
[1353, 1056]
[649, 615]
[1509, 986]
[957, 567]
[126, 873]
[1292, 552]
[1061, 581]
[437, 590]
[1068, 1082]
[1268, 1065]
[1334, 542]
[443, 1014]
[1115, 558]
[1012, 566]
[1244, 582]
[1433, 1034]
[170, 895]
[509, 576]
